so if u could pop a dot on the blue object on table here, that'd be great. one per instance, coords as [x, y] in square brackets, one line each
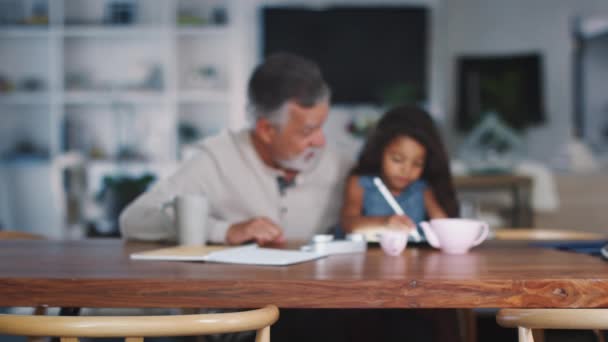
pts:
[586, 247]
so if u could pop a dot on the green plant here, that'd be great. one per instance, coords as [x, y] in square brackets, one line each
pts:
[118, 191]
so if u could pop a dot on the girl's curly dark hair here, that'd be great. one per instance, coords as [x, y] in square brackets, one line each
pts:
[415, 123]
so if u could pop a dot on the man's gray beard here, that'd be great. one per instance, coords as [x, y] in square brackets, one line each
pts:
[300, 163]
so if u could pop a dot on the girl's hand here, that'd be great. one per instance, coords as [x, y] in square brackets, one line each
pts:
[401, 222]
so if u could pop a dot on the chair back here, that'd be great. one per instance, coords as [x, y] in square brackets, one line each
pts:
[542, 234]
[527, 319]
[135, 328]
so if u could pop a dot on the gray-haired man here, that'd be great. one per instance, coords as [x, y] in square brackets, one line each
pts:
[275, 181]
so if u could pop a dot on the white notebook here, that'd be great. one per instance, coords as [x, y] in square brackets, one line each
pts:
[246, 255]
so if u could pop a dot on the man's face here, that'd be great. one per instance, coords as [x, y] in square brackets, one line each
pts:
[298, 142]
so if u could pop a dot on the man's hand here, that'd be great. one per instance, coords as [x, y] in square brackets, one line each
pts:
[400, 222]
[260, 229]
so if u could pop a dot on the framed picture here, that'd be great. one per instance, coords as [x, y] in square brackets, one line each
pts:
[509, 85]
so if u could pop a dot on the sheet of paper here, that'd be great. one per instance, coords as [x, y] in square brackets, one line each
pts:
[246, 255]
[179, 253]
[254, 255]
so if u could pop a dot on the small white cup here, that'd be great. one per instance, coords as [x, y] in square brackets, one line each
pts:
[191, 213]
[393, 242]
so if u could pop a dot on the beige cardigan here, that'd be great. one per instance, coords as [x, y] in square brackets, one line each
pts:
[240, 186]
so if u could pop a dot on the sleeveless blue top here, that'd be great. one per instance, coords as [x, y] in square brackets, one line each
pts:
[411, 200]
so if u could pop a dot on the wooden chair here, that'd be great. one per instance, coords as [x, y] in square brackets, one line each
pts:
[135, 328]
[542, 234]
[527, 320]
[539, 235]
[17, 235]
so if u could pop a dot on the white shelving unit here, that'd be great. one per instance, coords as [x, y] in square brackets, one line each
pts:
[119, 93]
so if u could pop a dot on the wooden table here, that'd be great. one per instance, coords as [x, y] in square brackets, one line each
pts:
[99, 273]
[519, 188]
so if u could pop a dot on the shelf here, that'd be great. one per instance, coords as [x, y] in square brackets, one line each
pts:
[101, 31]
[203, 31]
[107, 98]
[204, 96]
[79, 43]
[129, 164]
[108, 89]
[25, 161]
[22, 98]
[23, 31]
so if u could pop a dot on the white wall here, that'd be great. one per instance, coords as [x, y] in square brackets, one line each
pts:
[596, 97]
[463, 27]
[481, 27]
[498, 26]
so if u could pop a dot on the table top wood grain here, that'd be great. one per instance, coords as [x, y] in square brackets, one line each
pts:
[99, 273]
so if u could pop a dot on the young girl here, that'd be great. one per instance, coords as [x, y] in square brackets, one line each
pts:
[406, 152]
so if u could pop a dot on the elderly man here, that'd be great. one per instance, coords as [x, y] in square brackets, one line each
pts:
[275, 181]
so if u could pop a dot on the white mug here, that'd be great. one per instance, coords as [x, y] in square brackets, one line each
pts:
[191, 213]
[455, 235]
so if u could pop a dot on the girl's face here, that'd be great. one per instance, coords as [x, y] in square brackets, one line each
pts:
[402, 163]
